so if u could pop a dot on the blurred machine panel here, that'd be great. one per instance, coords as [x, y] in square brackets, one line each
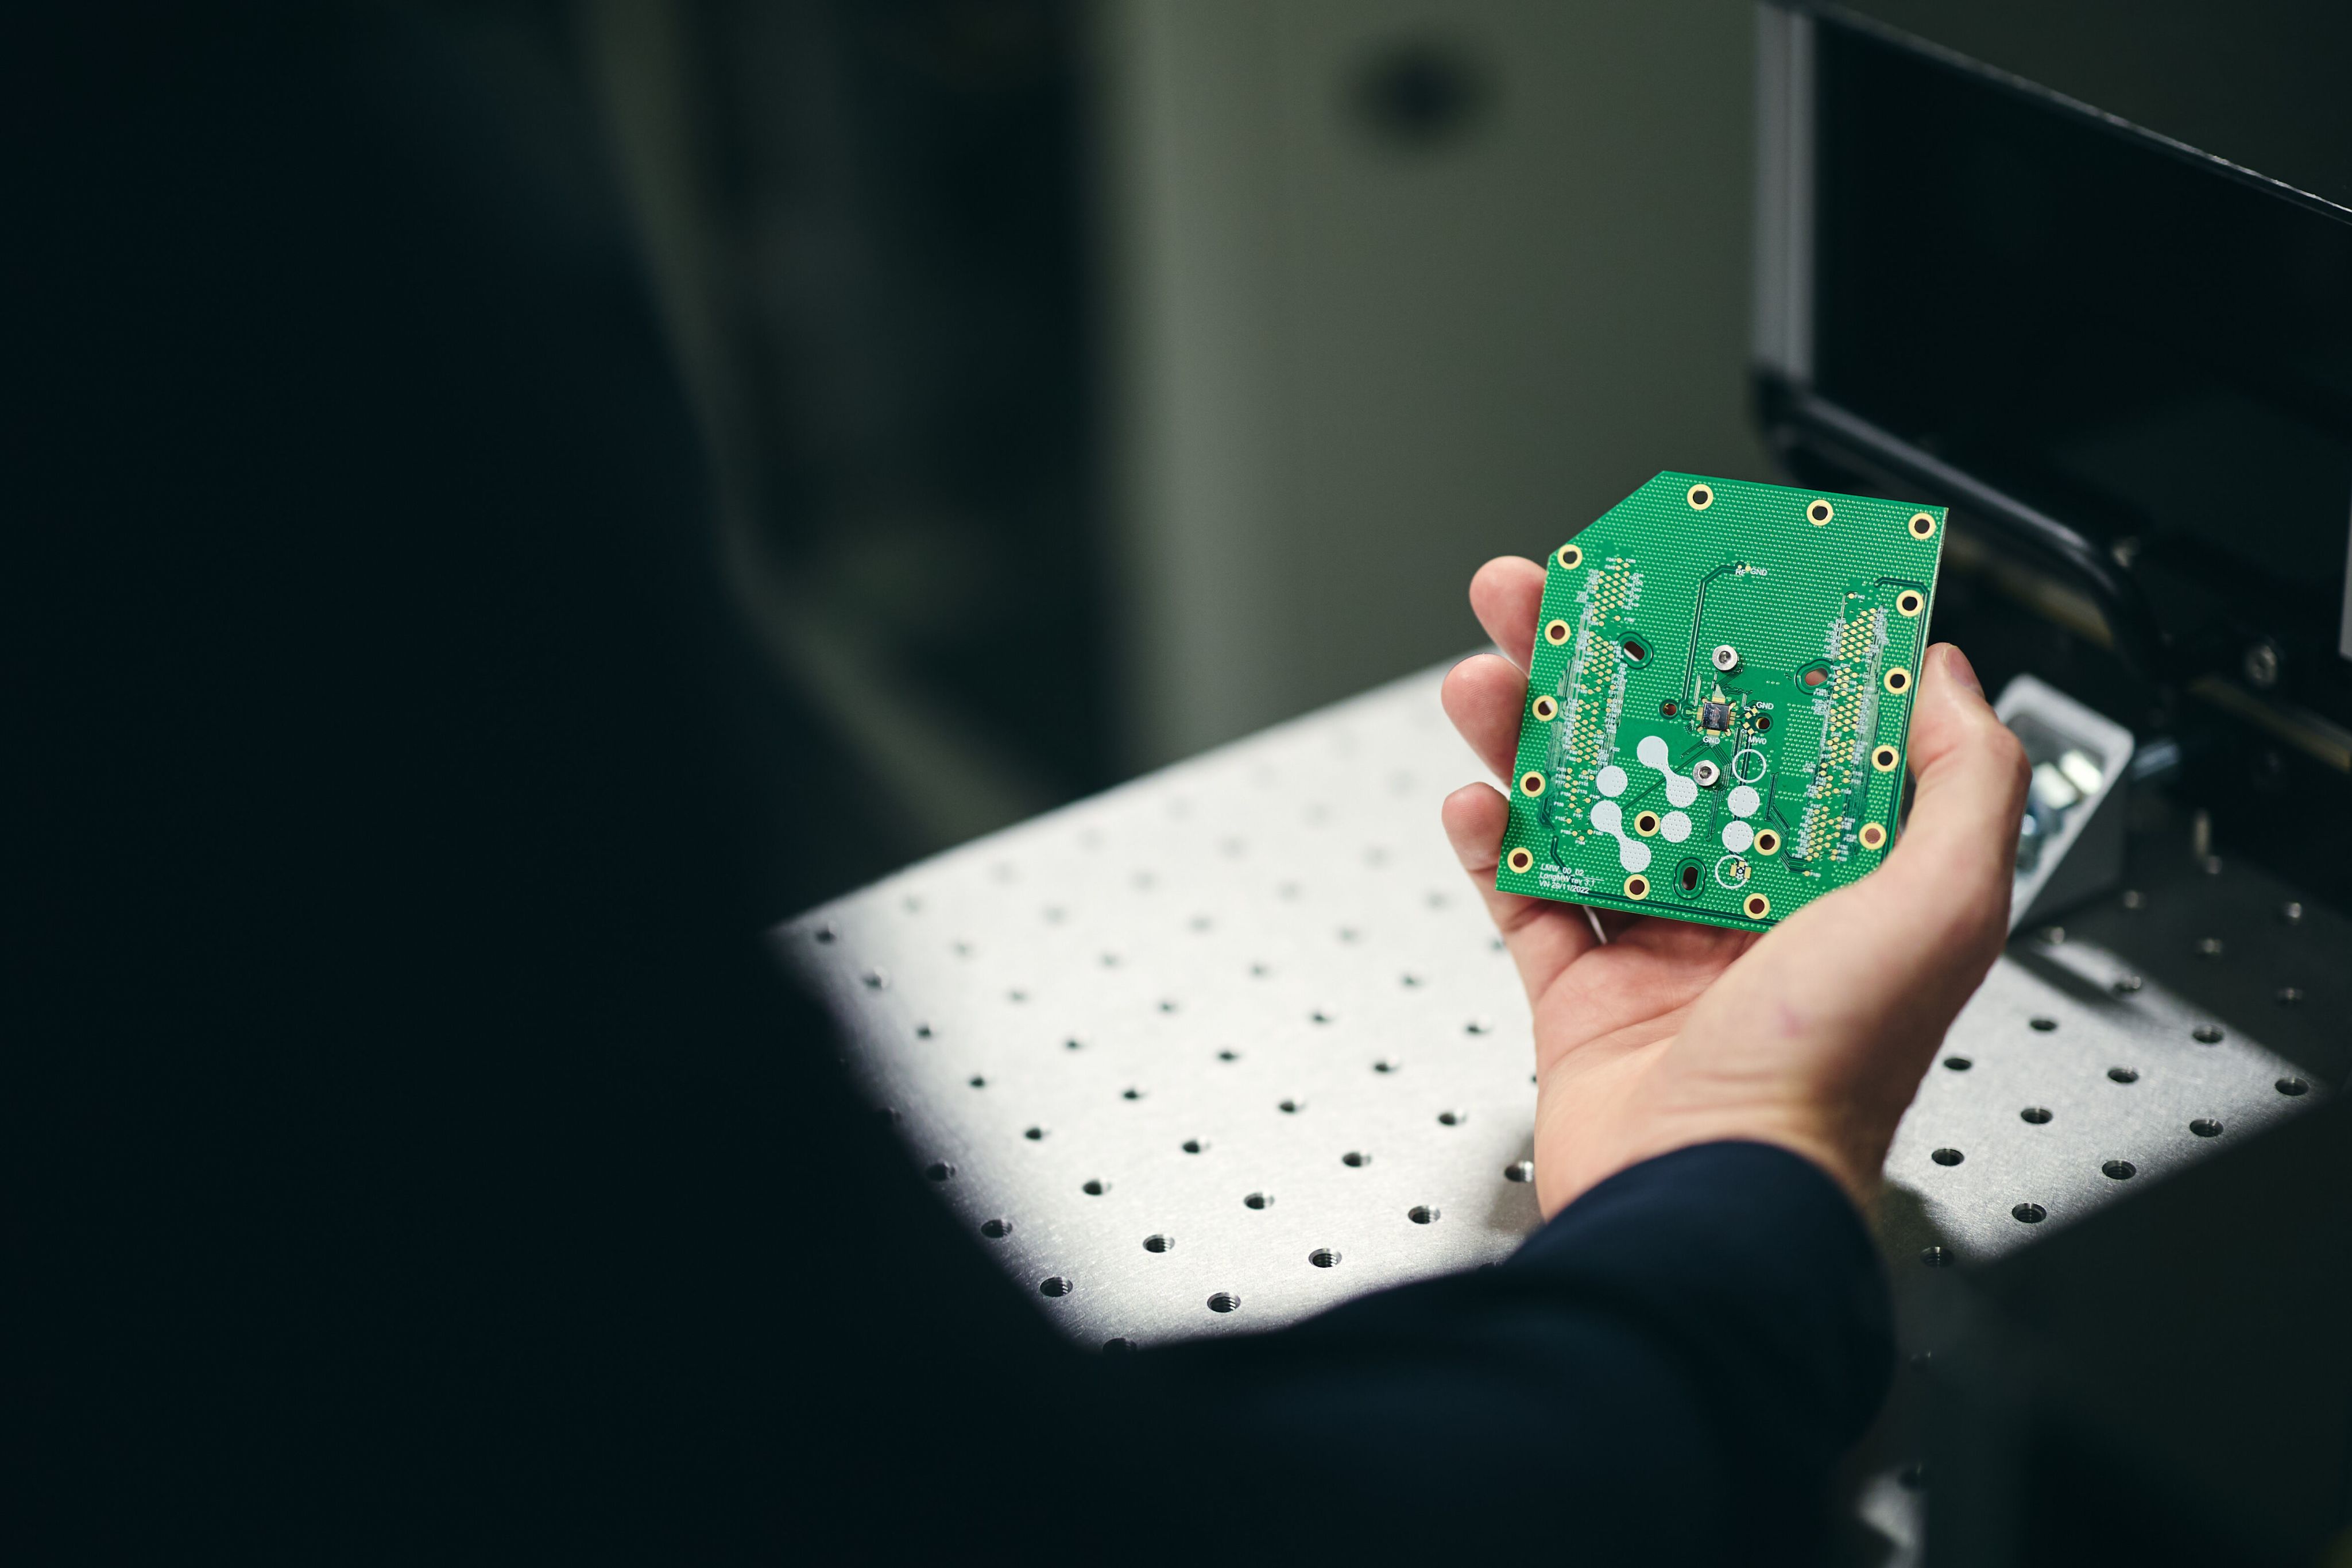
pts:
[1396, 284]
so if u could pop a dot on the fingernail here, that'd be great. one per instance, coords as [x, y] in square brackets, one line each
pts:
[1957, 665]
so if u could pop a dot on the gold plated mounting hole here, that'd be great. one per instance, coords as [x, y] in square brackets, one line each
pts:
[1818, 512]
[1546, 709]
[1571, 557]
[1872, 836]
[1767, 841]
[1885, 759]
[1646, 823]
[1637, 887]
[1922, 526]
[1556, 632]
[1756, 907]
[1531, 782]
[1909, 602]
[1700, 497]
[1899, 681]
[1521, 859]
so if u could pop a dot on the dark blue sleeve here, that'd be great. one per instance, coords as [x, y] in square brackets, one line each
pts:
[1666, 1373]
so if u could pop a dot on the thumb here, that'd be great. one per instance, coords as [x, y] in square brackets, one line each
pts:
[1960, 848]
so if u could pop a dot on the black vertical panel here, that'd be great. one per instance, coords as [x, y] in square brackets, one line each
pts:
[2139, 341]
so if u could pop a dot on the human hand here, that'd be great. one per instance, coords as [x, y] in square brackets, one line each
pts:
[1813, 1035]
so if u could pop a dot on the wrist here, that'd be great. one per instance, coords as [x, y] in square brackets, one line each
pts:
[1560, 1180]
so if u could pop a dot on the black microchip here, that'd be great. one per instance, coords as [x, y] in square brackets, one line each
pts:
[1715, 715]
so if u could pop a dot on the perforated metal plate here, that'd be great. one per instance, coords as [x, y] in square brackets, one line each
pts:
[1250, 1007]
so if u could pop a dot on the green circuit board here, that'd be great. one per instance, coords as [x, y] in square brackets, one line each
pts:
[1719, 700]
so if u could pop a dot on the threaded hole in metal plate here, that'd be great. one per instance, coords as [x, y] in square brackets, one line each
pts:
[996, 1229]
[2206, 1127]
[1421, 1214]
[1519, 1170]
[1947, 1156]
[1450, 1118]
[1053, 1285]
[2034, 1114]
[939, 1170]
[1936, 1256]
[1159, 1243]
[2206, 1034]
[2122, 1075]
[1194, 1146]
[1959, 1063]
[2029, 1214]
[1224, 1302]
[2043, 1026]
[1355, 1159]
[1258, 1201]
[2119, 1170]
[1324, 1257]
[1095, 1187]
[2293, 1086]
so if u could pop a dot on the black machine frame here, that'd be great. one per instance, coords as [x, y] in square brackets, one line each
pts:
[2268, 641]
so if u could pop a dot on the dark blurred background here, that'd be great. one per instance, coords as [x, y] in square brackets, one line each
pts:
[1092, 384]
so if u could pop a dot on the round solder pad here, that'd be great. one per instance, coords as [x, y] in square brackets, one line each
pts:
[1646, 824]
[1922, 526]
[1756, 906]
[1556, 632]
[1531, 783]
[1767, 841]
[1909, 602]
[1545, 708]
[1519, 860]
[1700, 497]
[1637, 887]
[1885, 759]
[1872, 836]
[1898, 680]
[1571, 557]
[1818, 512]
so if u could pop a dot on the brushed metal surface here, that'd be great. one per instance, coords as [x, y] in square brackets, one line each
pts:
[1260, 972]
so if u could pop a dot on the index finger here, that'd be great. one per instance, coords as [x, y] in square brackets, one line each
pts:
[1506, 595]
[1959, 850]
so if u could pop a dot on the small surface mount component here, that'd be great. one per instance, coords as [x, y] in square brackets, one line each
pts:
[1719, 700]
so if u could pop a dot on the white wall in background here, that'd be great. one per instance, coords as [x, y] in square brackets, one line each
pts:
[1348, 367]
